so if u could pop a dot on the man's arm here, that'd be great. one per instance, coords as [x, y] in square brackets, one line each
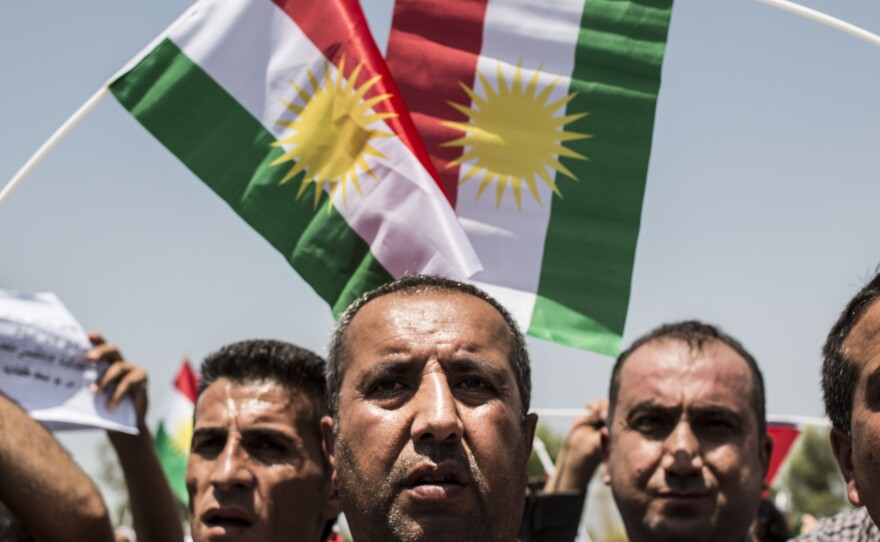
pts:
[153, 505]
[581, 454]
[42, 486]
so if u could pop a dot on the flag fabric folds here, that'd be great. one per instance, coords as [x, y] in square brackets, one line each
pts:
[174, 433]
[538, 117]
[287, 111]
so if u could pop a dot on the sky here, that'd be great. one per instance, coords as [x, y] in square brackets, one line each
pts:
[759, 213]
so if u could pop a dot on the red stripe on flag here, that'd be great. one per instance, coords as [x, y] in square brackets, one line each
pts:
[783, 435]
[452, 40]
[187, 381]
[338, 28]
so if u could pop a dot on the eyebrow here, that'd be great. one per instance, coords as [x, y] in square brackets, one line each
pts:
[651, 405]
[399, 367]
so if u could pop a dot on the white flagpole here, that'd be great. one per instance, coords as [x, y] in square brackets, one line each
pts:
[88, 106]
[52, 141]
[825, 19]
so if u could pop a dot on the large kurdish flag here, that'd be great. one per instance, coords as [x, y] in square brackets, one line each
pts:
[174, 433]
[538, 117]
[287, 111]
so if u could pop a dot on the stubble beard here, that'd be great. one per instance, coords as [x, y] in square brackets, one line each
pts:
[376, 514]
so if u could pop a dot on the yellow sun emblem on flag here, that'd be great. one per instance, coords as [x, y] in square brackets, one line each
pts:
[331, 137]
[514, 136]
[182, 437]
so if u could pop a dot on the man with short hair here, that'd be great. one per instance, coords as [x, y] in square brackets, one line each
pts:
[429, 387]
[256, 468]
[851, 390]
[685, 443]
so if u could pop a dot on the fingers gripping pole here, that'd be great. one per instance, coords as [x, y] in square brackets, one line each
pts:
[51, 142]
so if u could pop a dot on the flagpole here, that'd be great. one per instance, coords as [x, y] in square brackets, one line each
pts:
[88, 106]
[825, 19]
[52, 141]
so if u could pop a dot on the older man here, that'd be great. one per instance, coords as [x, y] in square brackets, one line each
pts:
[685, 442]
[851, 389]
[256, 469]
[429, 385]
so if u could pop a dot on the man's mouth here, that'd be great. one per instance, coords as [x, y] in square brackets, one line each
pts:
[436, 482]
[227, 519]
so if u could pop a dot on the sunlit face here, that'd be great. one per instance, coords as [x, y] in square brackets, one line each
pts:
[430, 441]
[684, 458]
[255, 470]
[859, 456]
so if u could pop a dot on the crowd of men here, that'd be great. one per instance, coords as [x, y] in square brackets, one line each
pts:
[418, 428]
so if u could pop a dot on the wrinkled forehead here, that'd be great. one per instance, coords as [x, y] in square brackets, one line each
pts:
[254, 400]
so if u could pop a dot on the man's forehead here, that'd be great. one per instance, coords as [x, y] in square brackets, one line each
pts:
[667, 365]
[419, 311]
[253, 399]
[863, 342]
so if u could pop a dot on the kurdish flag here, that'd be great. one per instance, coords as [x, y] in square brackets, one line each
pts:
[174, 433]
[538, 117]
[287, 111]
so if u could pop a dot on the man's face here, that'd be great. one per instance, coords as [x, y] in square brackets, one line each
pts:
[430, 442]
[255, 469]
[683, 454]
[859, 456]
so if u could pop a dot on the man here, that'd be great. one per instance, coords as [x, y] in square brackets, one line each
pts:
[256, 468]
[429, 387]
[685, 443]
[851, 390]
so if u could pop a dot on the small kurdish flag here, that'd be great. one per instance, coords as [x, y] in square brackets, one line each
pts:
[286, 109]
[174, 433]
[538, 117]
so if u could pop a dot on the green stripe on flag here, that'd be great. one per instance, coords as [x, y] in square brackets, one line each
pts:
[226, 147]
[591, 239]
[173, 463]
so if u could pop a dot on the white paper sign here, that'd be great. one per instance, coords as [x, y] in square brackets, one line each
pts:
[43, 366]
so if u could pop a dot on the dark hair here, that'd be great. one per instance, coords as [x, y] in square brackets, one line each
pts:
[696, 335]
[839, 373]
[337, 355]
[770, 523]
[295, 368]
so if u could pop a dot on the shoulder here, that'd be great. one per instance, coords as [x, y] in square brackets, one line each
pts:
[850, 526]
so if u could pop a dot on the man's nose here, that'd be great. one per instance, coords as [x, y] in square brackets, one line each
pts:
[436, 417]
[231, 467]
[682, 454]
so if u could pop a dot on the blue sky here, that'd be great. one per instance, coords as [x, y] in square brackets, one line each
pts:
[759, 213]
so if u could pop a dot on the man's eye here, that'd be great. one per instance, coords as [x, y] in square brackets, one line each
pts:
[473, 383]
[647, 423]
[719, 426]
[386, 387]
[268, 446]
[208, 446]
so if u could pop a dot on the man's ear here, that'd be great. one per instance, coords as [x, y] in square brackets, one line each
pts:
[842, 446]
[530, 425]
[328, 439]
[605, 444]
[766, 452]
